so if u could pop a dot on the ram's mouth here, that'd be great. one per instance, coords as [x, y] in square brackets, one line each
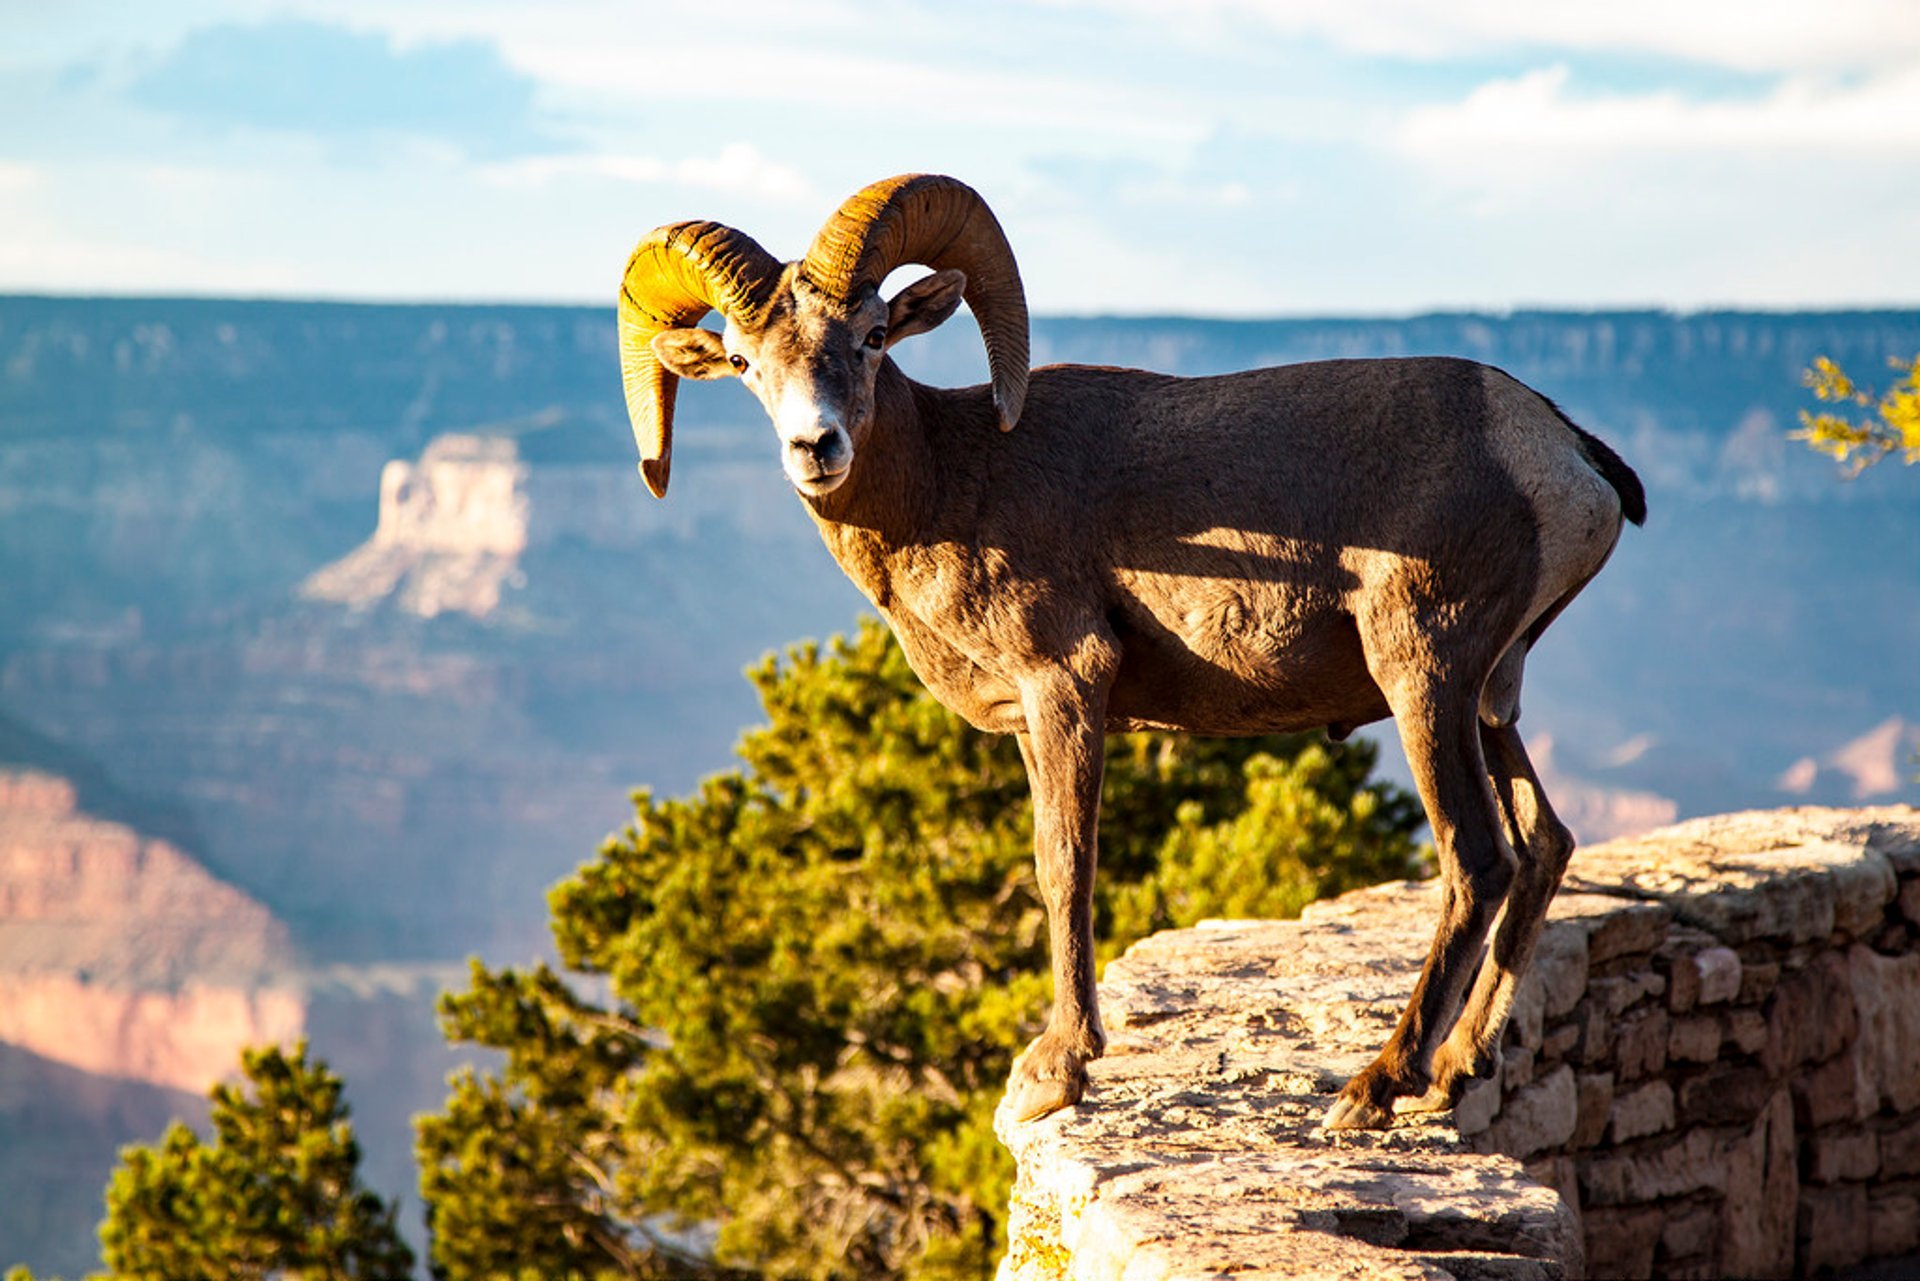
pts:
[816, 482]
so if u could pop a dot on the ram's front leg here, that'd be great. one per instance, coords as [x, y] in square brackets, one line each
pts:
[1064, 751]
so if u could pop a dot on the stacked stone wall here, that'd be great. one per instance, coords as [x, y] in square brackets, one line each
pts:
[1712, 1070]
[1724, 1075]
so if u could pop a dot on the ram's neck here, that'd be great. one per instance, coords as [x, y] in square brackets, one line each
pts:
[912, 479]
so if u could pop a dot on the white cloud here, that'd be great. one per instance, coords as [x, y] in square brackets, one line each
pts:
[861, 68]
[737, 168]
[1803, 195]
[1742, 34]
[1536, 111]
[1180, 192]
[16, 178]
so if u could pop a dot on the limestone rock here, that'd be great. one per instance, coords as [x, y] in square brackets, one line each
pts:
[1834, 1227]
[185, 1038]
[1478, 1106]
[1719, 975]
[1900, 1150]
[1837, 1090]
[1893, 1222]
[1614, 926]
[1726, 1095]
[1560, 967]
[1910, 901]
[1694, 1040]
[456, 525]
[1812, 1015]
[1647, 1110]
[1198, 1150]
[1620, 1243]
[1746, 1031]
[1594, 1092]
[1690, 1163]
[1698, 1029]
[1885, 990]
[1678, 960]
[1640, 1043]
[1762, 1189]
[1845, 1157]
[1537, 1118]
[1688, 1234]
[451, 531]
[1793, 874]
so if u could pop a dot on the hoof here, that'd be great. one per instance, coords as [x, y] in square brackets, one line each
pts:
[1356, 1114]
[1046, 1078]
[1437, 1099]
[1032, 1099]
[1367, 1101]
[1452, 1074]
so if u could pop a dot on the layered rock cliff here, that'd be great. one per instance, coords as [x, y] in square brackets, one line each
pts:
[84, 896]
[455, 526]
[130, 980]
[452, 528]
[121, 955]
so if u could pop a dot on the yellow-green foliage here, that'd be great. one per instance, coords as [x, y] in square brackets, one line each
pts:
[276, 1194]
[811, 977]
[1298, 839]
[1857, 441]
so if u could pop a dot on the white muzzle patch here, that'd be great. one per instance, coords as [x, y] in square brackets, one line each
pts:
[815, 450]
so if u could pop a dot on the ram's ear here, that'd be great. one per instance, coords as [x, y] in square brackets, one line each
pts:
[692, 353]
[925, 304]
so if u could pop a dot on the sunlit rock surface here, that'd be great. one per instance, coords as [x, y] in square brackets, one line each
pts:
[1712, 1070]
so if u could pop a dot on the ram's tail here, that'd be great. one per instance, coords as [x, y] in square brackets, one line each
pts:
[1633, 495]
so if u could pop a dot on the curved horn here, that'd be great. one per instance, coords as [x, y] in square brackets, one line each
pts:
[939, 223]
[678, 273]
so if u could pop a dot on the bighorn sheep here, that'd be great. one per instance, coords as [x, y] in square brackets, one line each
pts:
[1313, 545]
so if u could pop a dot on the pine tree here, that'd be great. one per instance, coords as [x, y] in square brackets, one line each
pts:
[276, 1194]
[798, 991]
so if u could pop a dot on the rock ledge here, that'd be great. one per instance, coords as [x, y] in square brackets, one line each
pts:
[1775, 936]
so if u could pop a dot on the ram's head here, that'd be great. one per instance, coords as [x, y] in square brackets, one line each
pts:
[808, 337]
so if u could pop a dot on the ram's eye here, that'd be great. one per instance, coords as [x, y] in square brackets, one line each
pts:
[876, 338]
[738, 362]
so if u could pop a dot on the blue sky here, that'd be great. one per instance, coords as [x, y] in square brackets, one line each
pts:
[1232, 157]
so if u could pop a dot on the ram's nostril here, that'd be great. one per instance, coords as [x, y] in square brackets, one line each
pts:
[825, 447]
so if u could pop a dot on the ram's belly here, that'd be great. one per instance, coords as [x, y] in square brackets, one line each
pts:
[1233, 652]
[1235, 656]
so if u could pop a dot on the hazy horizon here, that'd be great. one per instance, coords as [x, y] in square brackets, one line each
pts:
[1864, 308]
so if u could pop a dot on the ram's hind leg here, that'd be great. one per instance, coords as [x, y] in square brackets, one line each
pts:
[1546, 845]
[1440, 729]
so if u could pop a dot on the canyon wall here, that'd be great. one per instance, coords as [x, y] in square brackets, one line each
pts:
[504, 634]
[130, 980]
[1713, 1069]
[82, 894]
[121, 955]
